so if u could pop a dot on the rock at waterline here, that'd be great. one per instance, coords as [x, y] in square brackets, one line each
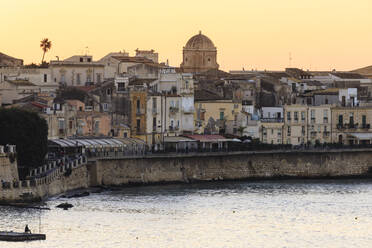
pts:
[65, 206]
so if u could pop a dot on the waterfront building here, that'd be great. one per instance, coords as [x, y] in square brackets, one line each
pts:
[138, 107]
[271, 125]
[199, 55]
[319, 124]
[351, 125]
[271, 131]
[295, 124]
[213, 112]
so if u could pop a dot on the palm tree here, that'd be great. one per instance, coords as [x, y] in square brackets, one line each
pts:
[45, 45]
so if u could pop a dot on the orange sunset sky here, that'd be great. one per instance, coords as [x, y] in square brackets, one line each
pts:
[259, 34]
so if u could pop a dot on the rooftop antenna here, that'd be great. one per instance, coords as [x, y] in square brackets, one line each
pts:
[86, 51]
[290, 59]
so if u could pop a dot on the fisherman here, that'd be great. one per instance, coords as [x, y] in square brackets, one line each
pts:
[27, 230]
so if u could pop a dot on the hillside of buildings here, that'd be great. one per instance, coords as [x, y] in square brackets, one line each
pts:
[161, 106]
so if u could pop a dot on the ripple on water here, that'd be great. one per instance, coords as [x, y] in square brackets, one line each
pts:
[312, 213]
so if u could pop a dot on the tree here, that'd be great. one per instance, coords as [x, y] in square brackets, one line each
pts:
[72, 93]
[28, 131]
[45, 45]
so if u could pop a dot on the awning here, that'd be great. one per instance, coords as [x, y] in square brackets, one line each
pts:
[361, 136]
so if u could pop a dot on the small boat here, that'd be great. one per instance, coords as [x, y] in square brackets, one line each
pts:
[20, 237]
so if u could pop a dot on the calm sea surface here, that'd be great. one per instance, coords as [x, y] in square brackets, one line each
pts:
[310, 213]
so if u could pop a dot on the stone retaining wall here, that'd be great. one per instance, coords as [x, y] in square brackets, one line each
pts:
[233, 166]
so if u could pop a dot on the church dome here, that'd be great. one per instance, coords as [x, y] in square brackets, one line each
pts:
[200, 41]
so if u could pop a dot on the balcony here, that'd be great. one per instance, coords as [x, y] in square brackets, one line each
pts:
[312, 120]
[140, 112]
[173, 110]
[173, 129]
[326, 134]
[272, 120]
[313, 133]
[366, 126]
[325, 120]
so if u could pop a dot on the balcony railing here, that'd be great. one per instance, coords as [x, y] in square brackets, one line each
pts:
[171, 128]
[173, 110]
[140, 111]
[272, 119]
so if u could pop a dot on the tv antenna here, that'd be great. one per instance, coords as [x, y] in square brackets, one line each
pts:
[86, 51]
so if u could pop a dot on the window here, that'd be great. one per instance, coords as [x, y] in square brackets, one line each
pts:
[222, 115]
[303, 115]
[154, 124]
[351, 121]
[89, 78]
[108, 92]
[81, 60]
[89, 59]
[325, 116]
[98, 77]
[340, 120]
[295, 116]
[312, 115]
[154, 105]
[45, 78]
[121, 86]
[105, 106]
[78, 80]
[289, 131]
[63, 80]
[303, 130]
[138, 106]
[96, 127]
[288, 116]
[138, 127]
[70, 124]
[125, 134]
[364, 121]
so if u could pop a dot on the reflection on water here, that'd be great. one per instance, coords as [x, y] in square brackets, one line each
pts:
[312, 213]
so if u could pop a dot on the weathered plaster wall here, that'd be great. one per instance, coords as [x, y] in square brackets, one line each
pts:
[240, 165]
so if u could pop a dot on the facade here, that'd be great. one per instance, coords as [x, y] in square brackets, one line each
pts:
[77, 71]
[149, 54]
[138, 99]
[271, 132]
[213, 116]
[319, 124]
[351, 125]
[111, 63]
[295, 124]
[199, 54]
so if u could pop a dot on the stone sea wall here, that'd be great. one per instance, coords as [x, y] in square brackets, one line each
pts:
[233, 166]
[56, 181]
